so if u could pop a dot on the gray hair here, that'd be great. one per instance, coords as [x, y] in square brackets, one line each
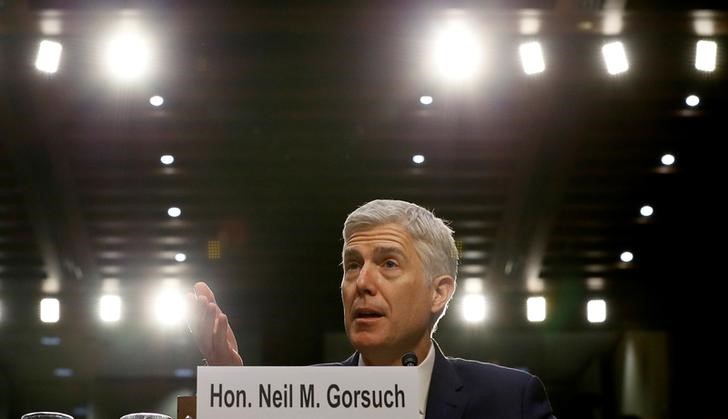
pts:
[433, 238]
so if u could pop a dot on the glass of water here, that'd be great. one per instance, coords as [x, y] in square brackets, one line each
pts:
[46, 415]
[145, 416]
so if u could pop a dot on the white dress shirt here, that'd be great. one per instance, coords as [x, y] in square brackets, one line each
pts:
[424, 372]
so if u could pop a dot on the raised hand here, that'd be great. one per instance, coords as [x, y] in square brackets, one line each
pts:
[210, 328]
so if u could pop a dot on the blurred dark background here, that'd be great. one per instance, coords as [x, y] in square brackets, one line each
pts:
[282, 117]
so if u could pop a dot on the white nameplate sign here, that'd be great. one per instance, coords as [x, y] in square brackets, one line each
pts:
[307, 392]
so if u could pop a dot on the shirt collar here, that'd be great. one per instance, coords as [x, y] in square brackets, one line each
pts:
[424, 375]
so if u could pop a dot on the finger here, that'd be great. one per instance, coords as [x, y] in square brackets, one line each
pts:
[202, 308]
[235, 358]
[231, 356]
[192, 307]
[219, 341]
[231, 339]
[200, 311]
[202, 289]
[206, 329]
[204, 325]
[193, 312]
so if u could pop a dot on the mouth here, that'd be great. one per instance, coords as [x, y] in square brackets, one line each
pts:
[367, 314]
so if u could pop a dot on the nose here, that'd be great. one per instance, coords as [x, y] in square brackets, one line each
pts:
[366, 282]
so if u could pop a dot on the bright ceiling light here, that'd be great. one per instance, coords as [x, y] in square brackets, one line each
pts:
[474, 308]
[156, 101]
[174, 212]
[128, 56]
[705, 55]
[692, 100]
[50, 310]
[426, 100]
[596, 311]
[180, 257]
[457, 52]
[49, 56]
[668, 159]
[626, 257]
[646, 211]
[167, 159]
[615, 58]
[169, 306]
[418, 159]
[110, 308]
[532, 58]
[536, 309]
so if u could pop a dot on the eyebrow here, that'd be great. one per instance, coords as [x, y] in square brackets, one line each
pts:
[349, 253]
[378, 251]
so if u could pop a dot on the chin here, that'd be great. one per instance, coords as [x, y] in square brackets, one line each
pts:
[363, 341]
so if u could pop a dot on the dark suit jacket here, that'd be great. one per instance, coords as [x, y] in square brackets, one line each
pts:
[464, 389]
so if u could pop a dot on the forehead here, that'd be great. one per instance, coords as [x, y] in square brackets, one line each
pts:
[389, 235]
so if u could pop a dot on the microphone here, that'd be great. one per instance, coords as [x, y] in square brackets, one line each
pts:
[409, 359]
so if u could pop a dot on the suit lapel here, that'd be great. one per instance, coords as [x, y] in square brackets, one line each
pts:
[446, 398]
[351, 361]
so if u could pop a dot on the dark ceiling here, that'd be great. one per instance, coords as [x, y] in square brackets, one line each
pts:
[282, 120]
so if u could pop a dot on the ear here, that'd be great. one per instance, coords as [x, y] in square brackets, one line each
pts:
[443, 288]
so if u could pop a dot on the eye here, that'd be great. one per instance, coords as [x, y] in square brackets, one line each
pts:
[349, 266]
[391, 263]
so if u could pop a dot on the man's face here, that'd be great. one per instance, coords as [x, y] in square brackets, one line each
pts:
[388, 301]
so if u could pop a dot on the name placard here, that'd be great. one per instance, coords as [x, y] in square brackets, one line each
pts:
[307, 392]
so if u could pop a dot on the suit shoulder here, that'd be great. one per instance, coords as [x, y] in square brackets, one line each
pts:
[488, 372]
[508, 391]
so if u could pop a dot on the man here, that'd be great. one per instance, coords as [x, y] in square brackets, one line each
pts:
[400, 266]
